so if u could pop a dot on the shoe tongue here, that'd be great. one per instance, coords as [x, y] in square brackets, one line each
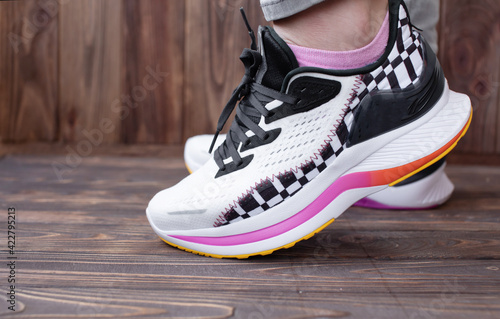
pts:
[277, 59]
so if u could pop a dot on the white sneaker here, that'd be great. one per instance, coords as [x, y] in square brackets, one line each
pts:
[308, 143]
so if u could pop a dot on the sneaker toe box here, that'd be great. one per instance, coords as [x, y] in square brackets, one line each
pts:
[168, 212]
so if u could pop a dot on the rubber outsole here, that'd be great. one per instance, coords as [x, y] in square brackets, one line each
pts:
[421, 164]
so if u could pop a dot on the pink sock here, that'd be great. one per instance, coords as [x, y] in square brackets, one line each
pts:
[344, 60]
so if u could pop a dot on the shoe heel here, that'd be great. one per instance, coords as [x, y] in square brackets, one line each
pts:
[433, 137]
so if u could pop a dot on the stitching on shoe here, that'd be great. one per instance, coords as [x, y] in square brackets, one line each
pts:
[221, 219]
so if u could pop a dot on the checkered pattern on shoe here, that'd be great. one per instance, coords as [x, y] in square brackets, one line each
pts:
[271, 192]
[400, 70]
[403, 64]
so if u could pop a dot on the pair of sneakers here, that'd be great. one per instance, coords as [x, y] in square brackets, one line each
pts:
[307, 143]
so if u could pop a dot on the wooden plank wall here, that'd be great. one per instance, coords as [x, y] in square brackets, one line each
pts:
[89, 67]
[215, 37]
[28, 72]
[153, 62]
[470, 56]
[156, 71]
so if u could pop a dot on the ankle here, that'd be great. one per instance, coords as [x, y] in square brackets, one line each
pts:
[334, 25]
[344, 60]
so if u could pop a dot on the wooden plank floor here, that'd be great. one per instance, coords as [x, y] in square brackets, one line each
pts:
[85, 249]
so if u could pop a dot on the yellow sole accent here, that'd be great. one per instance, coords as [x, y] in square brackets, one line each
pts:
[270, 251]
[189, 170]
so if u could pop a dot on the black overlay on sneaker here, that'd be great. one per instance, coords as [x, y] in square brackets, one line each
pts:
[254, 141]
[383, 111]
[310, 92]
[277, 59]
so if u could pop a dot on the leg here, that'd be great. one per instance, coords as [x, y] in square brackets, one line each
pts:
[349, 24]
[424, 13]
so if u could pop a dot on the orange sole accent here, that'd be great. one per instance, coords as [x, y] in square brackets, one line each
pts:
[387, 176]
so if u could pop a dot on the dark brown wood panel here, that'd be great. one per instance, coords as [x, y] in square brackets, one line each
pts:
[215, 37]
[90, 68]
[153, 71]
[85, 249]
[470, 56]
[28, 68]
[75, 63]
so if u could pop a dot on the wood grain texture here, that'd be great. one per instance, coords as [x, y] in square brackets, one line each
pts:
[89, 78]
[470, 56]
[154, 40]
[28, 68]
[79, 62]
[85, 249]
[215, 37]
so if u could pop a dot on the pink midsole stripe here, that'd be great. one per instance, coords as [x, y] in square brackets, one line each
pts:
[344, 183]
